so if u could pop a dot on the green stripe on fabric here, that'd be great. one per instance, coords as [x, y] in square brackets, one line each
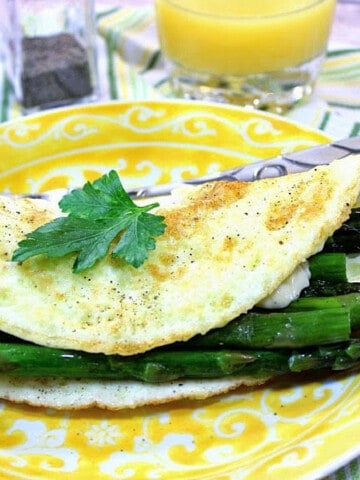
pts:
[355, 130]
[152, 61]
[345, 73]
[344, 105]
[5, 103]
[164, 87]
[338, 53]
[100, 15]
[324, 121]
[110, 51]
[161, 82]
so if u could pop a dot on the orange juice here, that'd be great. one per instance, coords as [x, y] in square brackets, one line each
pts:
[242, 37]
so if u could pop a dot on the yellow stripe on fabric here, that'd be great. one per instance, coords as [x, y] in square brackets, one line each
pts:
[131, 86]
[340, 101]
[117, 19]
[350, 75]
[123, 84]
[346, 58]
[320, 119]
[347, 66]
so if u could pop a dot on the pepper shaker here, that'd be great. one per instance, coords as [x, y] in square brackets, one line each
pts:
[51, 52]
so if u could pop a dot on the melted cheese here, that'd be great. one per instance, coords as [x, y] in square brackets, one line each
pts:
[289, 290]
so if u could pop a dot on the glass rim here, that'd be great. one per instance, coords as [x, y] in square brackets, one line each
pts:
[176, 3]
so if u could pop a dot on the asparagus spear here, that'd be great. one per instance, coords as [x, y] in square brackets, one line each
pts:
[336, 357]
[333, 274]
[323, 288]
[350, 301]
[29, 360]
[162, 366]
[305, 322]
[335, 267]
[283, 329]
[347, 238]
[329, 266]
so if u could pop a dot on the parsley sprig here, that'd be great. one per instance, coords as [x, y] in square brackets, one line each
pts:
[98, 214]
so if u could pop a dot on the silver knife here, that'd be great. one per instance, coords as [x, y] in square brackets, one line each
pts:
[274, 167]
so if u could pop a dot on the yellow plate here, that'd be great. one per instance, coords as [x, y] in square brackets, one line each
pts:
[300, 427]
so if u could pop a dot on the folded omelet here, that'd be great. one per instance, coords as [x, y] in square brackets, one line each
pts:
[227, 246]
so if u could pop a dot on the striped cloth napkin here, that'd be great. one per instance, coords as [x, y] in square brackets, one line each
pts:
[131, 68]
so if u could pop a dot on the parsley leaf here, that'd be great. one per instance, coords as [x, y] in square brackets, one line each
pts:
[97, 214]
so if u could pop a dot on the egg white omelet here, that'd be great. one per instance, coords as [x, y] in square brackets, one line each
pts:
[227, 246]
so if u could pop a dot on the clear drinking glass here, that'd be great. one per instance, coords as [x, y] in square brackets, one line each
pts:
[49, 51]
[263, 53]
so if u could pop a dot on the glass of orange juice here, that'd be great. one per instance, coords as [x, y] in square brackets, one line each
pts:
[263, 53]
